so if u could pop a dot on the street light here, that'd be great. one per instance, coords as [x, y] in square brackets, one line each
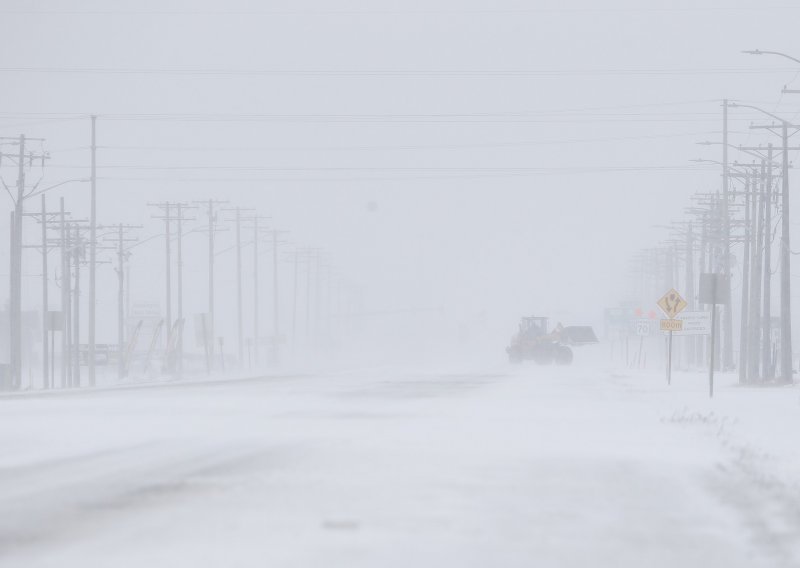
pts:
[36, 191]
[739, 148]
[779, 54]
[759, 52]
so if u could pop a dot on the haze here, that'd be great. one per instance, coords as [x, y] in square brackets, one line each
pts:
[424, 174]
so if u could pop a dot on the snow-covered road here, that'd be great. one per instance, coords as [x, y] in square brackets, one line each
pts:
[377, 467]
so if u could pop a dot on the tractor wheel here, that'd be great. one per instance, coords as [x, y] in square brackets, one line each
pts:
[564, 355]
[543, 355]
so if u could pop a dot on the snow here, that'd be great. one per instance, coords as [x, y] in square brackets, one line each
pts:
[505, 466]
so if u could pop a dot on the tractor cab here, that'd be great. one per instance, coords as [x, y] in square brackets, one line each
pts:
[532, 327]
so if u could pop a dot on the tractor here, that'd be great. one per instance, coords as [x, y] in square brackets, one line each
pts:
[534, 342]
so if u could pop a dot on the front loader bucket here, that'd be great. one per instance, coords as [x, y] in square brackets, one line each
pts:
[578, 335]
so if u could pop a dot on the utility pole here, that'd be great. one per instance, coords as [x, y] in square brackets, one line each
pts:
[15, 304]
[239, 339]
[743, 332]
[276, 329]
[275, 314]
[318, 296]
[727, 351]
[761, 320]
[45, 304]
[212, 219]
[702, 348]
[258, 229]
[294, 298]
[766, 332]
[93, 258]
[239, 317]
[181, 208]
[168, 277]
[690, 286]
[120, 300]
[22, 158]
[786, 311]
[78, 255]
[164, 206]
[302, 255]
[77, 252]
[66, 368]
[174, 330]
[212, 228]
[308, 298]
[44, 219]
[757, 188]
[120, 230]
[786, 376]
[256, 338]
[785, 252]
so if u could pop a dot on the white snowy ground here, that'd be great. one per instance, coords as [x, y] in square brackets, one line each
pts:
[520, 466]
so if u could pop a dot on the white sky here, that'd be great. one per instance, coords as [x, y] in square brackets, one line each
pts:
[519, 153]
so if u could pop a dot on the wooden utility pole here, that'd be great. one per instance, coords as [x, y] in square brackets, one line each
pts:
[45, 304]
[743, 331]
[757, 244]
[766, 312]
[93, 259]
[173, 211]
[211, 210]
[727, 333]
[119, 240]
[786, 310]
[783, 127]
[66, 366]
[77, 253]
[23, 158]
[276, 317]
[690, 298]
[237, 219]
[44, 219]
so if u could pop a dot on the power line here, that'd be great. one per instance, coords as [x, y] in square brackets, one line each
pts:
[400, 169]
[399, 73]
[399, 12]
[525, 143]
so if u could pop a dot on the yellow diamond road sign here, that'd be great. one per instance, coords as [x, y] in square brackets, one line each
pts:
[672, 304]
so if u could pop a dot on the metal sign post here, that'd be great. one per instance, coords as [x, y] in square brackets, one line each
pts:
[671, 304]
[712, 292]
[711, 358]
[669, 361]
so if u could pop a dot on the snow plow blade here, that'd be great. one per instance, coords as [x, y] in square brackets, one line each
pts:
[578, 335]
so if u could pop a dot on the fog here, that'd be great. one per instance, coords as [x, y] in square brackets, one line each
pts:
[424, 174]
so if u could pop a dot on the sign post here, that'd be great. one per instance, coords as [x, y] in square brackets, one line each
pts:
[712, 292]
[671, 304]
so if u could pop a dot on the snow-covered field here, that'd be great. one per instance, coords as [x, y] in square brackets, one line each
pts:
[378, 467]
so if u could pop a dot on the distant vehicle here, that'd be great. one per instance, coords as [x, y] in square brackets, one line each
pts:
[533, 342]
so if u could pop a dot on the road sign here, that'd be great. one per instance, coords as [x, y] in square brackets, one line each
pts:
[695, 323]
[672, 304]
[642, 327]
[713, 289]
[671, 325]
